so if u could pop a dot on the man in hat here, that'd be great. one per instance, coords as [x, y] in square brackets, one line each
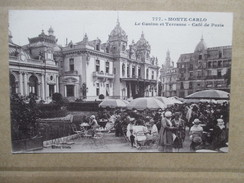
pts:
[196, 132]
[219, 135]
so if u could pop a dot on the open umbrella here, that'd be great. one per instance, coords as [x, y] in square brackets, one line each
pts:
[146, 103]
[175, 100]
[112, 103]
[167, 101]
[209, 94]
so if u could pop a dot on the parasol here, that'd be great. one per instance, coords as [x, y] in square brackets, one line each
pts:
[112, 103]
[209, 94]
[146, 103]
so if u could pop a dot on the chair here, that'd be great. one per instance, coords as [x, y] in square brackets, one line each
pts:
[78, 132]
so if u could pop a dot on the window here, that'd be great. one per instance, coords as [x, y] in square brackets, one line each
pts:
[98, 90]
[219, 63]
[33, 84]
[215, 64]
[133, 71]
[107, 89]
[97, 65]
[71, 64]
[209, 64]
[98, 46]
[191, 67]
[70, 90]
[128, 71]
[139, 72]
[190, 85]
[123, 48]
[191, 74]
[13, 84]
[107, 67]
[209, 72]
[198, 73]
[181, 85]
[200, 57]
[107, 49]
[152, 74]
[51, 90]
[220, 54]
[114, 70]
[219, 73]
[123, 69]
[147, 74]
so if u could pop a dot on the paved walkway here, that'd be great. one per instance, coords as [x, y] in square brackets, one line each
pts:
[109, 144]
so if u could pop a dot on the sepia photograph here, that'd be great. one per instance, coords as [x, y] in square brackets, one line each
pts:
[119, 81]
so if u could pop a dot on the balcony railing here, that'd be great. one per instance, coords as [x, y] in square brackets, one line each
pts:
[103, 75]
[75, 72]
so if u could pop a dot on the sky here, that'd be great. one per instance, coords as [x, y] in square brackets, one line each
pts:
[166, 35]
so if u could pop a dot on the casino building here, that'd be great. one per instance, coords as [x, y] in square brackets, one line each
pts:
[205, 68]
[33, 68]
[84, 70]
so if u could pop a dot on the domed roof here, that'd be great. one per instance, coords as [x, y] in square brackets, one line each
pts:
[50, 29]
[143, 43]
[118, 33]
[201, 46]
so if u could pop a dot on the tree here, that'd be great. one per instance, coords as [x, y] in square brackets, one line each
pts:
[23, 118]
[101, 96]
[57, 98]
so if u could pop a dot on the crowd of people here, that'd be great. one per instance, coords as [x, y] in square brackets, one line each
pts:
[205, 124]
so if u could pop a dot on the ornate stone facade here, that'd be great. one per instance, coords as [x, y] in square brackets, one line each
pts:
[84, 70]
[33, 69]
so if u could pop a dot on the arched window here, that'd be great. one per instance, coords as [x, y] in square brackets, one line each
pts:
[12, 84]
[33, 85]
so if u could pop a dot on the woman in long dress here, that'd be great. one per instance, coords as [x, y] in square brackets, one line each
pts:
[166, 135]
[179, 132]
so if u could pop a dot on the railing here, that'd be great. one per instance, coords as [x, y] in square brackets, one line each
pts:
[75, 72]
[102, 75]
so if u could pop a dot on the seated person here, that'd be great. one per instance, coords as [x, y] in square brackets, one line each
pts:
[152, 134]
[93, 125]
[196, 132]
[140, 131]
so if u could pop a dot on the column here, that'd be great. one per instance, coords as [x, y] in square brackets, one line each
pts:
[21, 83]
[39, 90]
[57, 83]
[75, 90]
[55, 88]
[43, 87]
[136, 71]
[47, 90]
[25, 85]
[65, 91]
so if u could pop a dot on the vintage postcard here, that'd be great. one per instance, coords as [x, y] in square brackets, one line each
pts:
[119, 81]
